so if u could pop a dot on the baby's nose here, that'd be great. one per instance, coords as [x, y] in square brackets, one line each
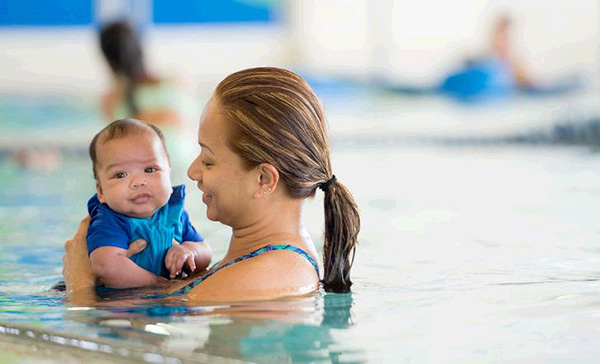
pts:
[139, 182]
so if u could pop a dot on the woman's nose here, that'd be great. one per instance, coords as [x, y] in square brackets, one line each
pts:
[193, 171]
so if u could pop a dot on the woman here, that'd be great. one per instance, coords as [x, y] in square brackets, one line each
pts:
[265, 150]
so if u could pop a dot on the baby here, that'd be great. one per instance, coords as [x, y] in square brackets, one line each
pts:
[135, 200]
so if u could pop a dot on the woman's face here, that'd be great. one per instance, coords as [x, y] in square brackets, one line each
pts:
[227, 184]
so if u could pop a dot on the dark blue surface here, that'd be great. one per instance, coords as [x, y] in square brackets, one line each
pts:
[204, 11]
[81, 12]
[45, 13]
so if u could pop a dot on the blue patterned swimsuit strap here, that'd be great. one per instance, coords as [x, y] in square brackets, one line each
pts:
[262, 250]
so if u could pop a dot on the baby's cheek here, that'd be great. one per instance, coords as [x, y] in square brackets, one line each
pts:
[166, 194]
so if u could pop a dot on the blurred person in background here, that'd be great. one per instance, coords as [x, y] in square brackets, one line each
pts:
[502, 50]
[38, 158]
[136, 93]
[499, 72]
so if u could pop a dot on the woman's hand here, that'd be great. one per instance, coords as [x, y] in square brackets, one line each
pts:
[77, 268]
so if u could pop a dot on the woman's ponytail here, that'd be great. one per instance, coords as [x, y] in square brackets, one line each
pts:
[342, 224]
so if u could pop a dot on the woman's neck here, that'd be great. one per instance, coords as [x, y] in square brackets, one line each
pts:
[280, 226]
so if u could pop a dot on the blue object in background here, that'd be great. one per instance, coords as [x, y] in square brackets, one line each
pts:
[488, 78]
[82, 12]
[45, 13]
[205, 11]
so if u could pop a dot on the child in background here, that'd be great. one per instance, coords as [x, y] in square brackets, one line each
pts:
[135, 201]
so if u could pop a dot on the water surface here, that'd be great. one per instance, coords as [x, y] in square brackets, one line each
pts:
[482, 252]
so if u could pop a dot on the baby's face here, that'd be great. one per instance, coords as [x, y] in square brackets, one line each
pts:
[133, 175]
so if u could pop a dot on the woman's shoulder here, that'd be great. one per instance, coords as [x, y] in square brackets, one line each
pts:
[276, 274]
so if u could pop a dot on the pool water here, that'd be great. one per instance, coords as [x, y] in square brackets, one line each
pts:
[482, 252]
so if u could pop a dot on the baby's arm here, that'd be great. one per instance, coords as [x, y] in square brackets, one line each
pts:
[116, 270]
[202, 254]
[195, 255]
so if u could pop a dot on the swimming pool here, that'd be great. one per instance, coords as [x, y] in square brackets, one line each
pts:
[469, 252]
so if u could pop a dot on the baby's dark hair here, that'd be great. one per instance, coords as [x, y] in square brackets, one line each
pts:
[119, 129]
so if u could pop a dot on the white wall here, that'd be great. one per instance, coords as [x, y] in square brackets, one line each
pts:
[68, 60]
[206, 54]
[418, 41]
[49, 59]
[411, 41]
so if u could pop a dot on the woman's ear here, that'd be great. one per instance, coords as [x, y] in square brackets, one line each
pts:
[268, 180]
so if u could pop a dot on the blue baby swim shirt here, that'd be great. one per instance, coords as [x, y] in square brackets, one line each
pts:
[109, 228]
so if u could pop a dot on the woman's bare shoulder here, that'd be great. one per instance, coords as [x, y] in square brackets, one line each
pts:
[273, 275]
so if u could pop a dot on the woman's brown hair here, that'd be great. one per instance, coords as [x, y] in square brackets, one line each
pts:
[279, 120]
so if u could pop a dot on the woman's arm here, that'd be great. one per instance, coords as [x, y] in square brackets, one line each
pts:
[110, 100]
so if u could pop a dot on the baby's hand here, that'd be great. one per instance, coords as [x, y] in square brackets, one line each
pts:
[177, 256]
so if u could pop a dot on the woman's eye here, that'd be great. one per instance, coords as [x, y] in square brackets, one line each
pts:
[150, 170]
[207, 164]
[120, 175]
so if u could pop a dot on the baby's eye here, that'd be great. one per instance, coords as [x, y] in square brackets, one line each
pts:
[120, 175]
[150, 169]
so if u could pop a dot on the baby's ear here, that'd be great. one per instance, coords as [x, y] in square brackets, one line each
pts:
[100, 195]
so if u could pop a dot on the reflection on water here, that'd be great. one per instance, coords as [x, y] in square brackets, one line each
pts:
[296, 336]
[297, 330]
